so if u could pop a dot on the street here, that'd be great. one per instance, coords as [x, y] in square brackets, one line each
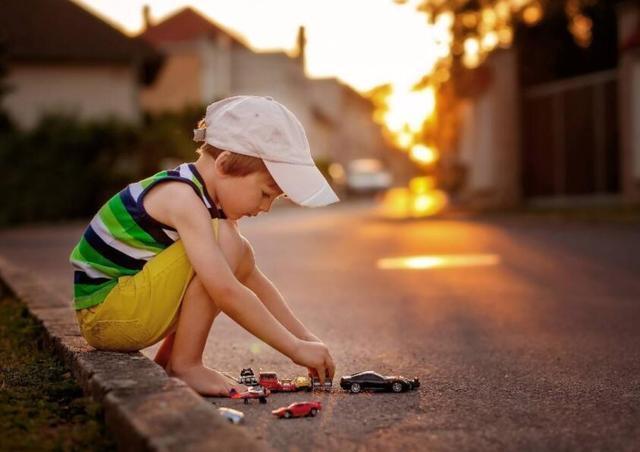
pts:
[533, 346]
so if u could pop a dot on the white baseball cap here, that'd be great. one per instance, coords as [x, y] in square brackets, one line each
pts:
[261, 127]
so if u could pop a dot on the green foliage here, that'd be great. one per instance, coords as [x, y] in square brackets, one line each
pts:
[60, 169]
[66, 168]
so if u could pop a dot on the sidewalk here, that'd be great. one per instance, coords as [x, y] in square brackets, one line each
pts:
[144, 408]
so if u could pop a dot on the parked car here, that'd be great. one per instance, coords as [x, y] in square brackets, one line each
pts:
[367, 176]
[370, 380]
[298, 409]
[233, 416]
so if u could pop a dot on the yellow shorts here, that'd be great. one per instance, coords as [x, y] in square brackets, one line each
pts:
[141, 309]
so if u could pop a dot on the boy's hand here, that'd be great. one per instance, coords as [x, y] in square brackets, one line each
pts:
[316, 357]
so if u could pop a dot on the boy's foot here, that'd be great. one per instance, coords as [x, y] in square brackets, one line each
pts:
[205, 381]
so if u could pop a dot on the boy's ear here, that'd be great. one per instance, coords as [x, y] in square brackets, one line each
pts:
[220, 161]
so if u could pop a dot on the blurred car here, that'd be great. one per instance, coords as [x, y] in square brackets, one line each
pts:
[270, 381]
[247, 377]
[367, 176]
[328, 384]
[256, 392]
[374, 381]
[298, 409]
[303, 383]
[233, 416]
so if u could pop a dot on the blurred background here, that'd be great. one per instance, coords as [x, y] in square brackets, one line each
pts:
[432, 105]
[521, 321]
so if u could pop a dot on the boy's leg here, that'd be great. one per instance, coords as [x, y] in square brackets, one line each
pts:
[164, 352]
[197, 313]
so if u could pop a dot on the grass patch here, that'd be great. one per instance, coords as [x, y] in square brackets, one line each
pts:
[41, 406]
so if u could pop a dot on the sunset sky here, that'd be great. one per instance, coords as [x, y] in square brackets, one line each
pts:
[363, 42]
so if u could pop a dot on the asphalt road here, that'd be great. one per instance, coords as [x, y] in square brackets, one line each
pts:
[540, 350]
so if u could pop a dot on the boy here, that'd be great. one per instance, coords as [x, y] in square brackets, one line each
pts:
[164, 256]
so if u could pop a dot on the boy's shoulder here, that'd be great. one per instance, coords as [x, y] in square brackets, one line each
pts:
[174, 198]
[172, 192]
[166, 200]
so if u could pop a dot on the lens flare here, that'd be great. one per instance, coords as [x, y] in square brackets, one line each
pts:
[423, 155]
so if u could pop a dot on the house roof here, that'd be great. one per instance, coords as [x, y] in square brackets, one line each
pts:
[60, 31]
[186, 25]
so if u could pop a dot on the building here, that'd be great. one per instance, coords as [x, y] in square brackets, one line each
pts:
[554, 123]
[205, 62]
[61, 58]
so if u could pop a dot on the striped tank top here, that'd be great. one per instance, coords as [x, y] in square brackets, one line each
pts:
[122, 237]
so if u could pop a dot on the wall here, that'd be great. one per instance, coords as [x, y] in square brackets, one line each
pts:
[179, 82]
[89, 92]
[629, 99]
[489, 137]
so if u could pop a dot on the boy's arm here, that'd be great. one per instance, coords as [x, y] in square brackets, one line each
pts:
[254, 279]
[191, 219]
[182, 208]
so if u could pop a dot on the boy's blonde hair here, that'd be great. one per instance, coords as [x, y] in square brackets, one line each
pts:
[237, 164]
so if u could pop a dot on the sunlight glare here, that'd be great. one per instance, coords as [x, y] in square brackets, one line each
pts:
[427, 262]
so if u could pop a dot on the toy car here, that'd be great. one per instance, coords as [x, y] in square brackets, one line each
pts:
[233, 416]
[376, 382]
[247, 377]
[270, 381]
[328, 384]
[257, 392]
[298, 409]
[303, 383]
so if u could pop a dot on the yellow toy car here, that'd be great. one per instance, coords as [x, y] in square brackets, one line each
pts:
[303, 383]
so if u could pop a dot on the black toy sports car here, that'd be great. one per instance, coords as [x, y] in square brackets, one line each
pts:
[376, 382]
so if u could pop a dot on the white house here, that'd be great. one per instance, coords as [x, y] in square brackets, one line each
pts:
[61, 58]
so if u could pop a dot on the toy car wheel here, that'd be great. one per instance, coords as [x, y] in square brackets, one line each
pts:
[355, 388]
[262, 400]
[313, 412]
[396, 387]
[308, 389]
[287, 414]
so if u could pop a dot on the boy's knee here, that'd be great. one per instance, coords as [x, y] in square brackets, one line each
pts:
[235, 247]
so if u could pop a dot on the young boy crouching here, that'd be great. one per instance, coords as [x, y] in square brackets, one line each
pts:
[163, 257]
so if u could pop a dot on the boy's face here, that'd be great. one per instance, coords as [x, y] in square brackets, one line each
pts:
[243, 196]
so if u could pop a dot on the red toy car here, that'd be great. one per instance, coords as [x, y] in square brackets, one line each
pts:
[298, 409]
[257, 392]
[270, 381]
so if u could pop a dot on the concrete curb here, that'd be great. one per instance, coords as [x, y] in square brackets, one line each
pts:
[144, 408]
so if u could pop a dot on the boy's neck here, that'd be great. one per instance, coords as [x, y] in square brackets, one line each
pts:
[205, 166]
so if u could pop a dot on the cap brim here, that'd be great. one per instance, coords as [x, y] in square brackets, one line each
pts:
[303, 184]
